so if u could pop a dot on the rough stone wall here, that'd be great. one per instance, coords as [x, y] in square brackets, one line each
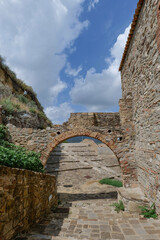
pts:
[25, 197]
[141, 84]
[90, 119]
[158, 31]
[44, 141]
[22, 119]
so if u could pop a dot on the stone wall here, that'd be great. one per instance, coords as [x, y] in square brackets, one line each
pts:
[44, 141]
[141, 86]
[23, 119]
[158, 31]
[90, 119]
[25, 197]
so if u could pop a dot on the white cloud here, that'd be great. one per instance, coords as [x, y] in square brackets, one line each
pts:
[92, 4]
[34, 37]
[72, 71]
[56, 89]
[101, 91]
[59, 114]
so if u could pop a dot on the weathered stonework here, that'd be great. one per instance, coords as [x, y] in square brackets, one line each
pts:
[141, 86]
[158, 31]
[134, 133]
[102, 126]
[23, 119]
[25, 198]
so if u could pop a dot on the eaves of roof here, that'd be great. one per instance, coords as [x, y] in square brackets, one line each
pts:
[133, 26]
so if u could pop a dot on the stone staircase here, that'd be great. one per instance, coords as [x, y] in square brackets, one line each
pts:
[79, 160]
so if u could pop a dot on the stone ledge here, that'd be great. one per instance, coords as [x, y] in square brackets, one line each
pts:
[132, 198]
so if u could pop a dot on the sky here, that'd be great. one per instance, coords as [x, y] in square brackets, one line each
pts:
[69, 51]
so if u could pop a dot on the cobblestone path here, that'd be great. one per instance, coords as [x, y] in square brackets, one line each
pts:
[85, 212]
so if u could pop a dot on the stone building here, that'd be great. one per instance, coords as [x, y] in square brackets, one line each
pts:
[140, 74]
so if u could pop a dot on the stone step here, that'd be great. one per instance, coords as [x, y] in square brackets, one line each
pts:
[70, 169]
[82, 150]
[73, 145]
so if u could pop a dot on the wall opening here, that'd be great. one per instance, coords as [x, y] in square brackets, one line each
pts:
[80, 161]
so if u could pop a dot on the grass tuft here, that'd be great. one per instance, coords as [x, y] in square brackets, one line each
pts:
[111, 182]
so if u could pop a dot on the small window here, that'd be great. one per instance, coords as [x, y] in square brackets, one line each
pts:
[58, 132]
[109, 131]
[119, 138]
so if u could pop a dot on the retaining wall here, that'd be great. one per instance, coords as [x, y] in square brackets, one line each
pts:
[25, 198]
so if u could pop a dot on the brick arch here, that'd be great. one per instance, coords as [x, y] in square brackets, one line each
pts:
[158, 31]
[80, 132]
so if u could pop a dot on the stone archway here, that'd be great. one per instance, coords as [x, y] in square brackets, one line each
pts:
[109, 142]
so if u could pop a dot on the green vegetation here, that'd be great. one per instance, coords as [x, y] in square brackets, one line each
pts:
[118, 206]
[149, 211]
[42, 115]
[22, 99]
[32, 110]
[14, 77]
[19, 82]
[112, 182]
[9, 105]
[3, 133]
[27, 101]
[16, 156]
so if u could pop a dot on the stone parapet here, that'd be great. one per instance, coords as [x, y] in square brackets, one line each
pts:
[25, 198]
[91, 119]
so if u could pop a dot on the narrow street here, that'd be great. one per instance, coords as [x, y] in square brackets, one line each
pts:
[84, 210]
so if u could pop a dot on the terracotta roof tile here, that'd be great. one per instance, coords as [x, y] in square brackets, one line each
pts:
[133, 25]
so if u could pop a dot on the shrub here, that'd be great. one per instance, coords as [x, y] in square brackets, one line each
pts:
[3, 132]
[32, 104]
[149, 211]
[23, 99]
[118, 206]
[16, 156]
[42, 115]
[112, 182]
[9, 106]
[32, 110]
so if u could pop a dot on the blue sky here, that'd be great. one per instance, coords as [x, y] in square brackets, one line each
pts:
[68, 50]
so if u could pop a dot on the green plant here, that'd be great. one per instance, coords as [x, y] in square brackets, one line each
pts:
[149, 211]
[42, 115]
[32, 110]
[3, 132]
[23, 99]
[118, 206]
[112, 182]
[16, 156]
[9, 106]
[32, 104]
